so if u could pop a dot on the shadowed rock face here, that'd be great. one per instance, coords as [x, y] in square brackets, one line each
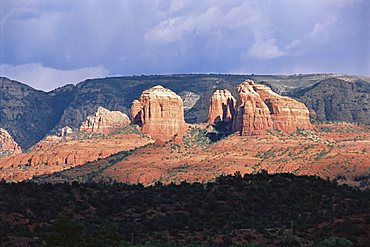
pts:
[222, 107]
[7, 144]
[259, 109]
[161, 113]
[105, 121]
[136, 108]
[337, 100]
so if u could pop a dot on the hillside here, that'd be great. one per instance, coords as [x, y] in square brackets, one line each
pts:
[266, 210]
[54, 154]
[337, 100]
[336, 151]
[29, 115]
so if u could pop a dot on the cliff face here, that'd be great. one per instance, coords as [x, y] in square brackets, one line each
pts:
[287, 114]
[136, 108]
[29, 115]
[253, 115]
[105, 121]
[161, 114]
[7, 144]
[222, 107]
[259, 109]
[337, 100]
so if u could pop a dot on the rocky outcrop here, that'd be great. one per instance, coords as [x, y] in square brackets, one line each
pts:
[136, 108]
[259, 109]
[222, 107]
[161, 113]
[65, 131]
[105, 121]
[48, 141]
[286, 113]
[64, 134]
[337, 100]
[253, 115]
[189, 99]
[53, 154]
[44, 112]
[7, 144]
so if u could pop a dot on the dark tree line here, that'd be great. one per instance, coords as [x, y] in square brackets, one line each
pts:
[232, 210]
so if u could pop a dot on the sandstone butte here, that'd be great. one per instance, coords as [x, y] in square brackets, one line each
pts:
[7, 144]
[287, 114]
[105, 121]
[159, 113]
[259, 109]
[222, 107]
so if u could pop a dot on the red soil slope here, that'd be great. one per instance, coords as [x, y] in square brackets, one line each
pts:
[51, 155]
[331, 150]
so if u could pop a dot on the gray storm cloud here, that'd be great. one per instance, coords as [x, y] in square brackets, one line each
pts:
[65, 41]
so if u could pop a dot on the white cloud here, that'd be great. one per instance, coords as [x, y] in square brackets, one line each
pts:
[320, 33]
[160, 36]
[45, 78]
[266, 50]
[174, 29]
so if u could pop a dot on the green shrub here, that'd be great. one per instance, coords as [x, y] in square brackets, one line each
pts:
[334, 242]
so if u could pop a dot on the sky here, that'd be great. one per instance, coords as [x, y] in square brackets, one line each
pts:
[47, 44]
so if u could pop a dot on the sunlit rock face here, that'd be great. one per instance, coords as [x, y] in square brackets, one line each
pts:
[258, 109]
[105, 121]
[287, 114]
[253, 115]
[160, 113]
[7, 144]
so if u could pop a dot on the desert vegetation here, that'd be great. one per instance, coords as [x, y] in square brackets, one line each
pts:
[249, 210]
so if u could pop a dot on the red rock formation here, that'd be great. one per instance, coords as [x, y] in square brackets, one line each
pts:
[48, 141]
[54, 154]
[64, 134]
[105, 121]
[65, 131]
[161, 113]
[7, 144]
[222, 107]
[261, 109]
[253, 115]
[136, 108]
[287, 114]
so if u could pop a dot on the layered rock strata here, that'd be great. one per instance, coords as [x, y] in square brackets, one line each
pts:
[253, 115]
[258, 109]
[105, 121]
[7, 144]
[222, 107]
[160, 113]
[287, 114]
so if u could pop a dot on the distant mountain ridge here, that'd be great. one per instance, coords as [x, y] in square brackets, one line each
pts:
[29, 114]
[338, 100]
